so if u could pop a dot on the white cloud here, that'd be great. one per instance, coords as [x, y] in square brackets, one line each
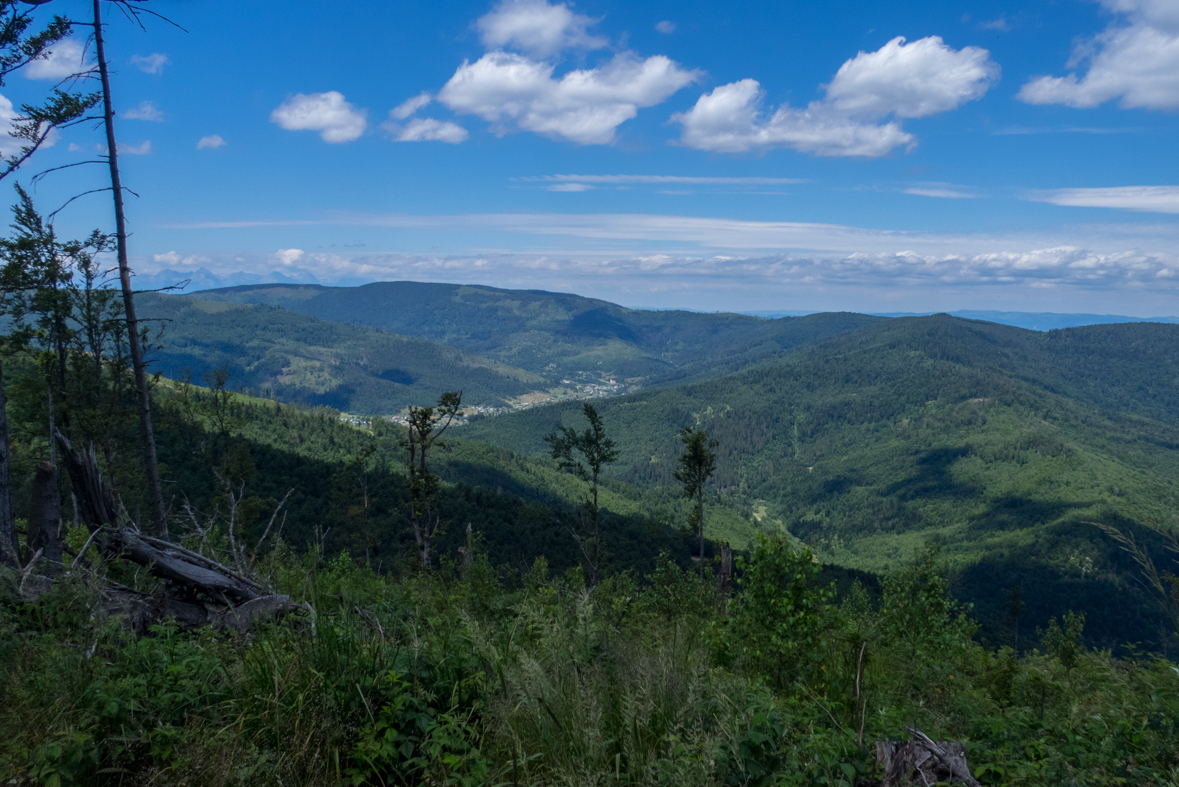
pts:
[328, 113]
[658, 179]
[172, 258]
[1001, 24]
[142, 149]
[536, 28]
[665, 27]
[150, 64]
[916, 80]
[288, 256]
[584, 106]
[145, 111]
[569, 187]
[65, 59]
[728, 120]
[74, 147]
[9, 145]
[212, 141]
[409, 106]
[1151, 199]
[427, 129]
[1137, 63]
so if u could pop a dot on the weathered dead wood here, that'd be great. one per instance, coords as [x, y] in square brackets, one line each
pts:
[172, 564]
[140, 611]
[45, 517]
[923, 761]
[213, 594]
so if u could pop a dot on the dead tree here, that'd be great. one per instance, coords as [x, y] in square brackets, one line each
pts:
[9, 546]
[151, 463]
[45, 518]
[198, 590]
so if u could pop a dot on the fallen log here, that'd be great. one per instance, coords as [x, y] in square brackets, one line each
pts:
[213, 594]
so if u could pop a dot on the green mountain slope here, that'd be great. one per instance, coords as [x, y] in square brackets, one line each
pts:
[303, 359]
[349, 488]
[556, 335]
[1000, 444]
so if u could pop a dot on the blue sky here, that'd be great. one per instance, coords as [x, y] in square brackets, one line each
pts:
[792, 155]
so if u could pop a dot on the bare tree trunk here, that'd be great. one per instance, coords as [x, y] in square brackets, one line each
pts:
[149, 441]
[467, 553]
[45, 517]
[9, 547]
[700, 516]
[597, 538]
[725, 578]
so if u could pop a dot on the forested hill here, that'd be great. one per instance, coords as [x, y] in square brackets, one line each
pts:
[316, 362]
[552, 334]
[1000, 443]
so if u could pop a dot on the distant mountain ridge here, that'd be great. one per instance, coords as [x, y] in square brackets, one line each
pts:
[302, 359]
[559, 336]
[1034, 321]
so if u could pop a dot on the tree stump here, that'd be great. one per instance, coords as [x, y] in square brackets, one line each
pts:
[923, 761]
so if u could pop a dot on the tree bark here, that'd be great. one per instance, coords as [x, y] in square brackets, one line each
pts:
[149, 443]
[9, 547]
[597, 537]
[45, 518]
[700, 516]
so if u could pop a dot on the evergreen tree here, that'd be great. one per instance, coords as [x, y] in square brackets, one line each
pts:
[426, 426]
[696, 466]
[596, 450]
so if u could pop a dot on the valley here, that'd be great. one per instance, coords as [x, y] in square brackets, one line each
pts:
[863, 437]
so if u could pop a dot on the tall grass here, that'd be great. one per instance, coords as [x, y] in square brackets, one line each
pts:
[477, 677]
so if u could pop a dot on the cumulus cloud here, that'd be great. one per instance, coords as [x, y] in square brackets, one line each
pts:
[9, 145]
[145, 111]
[666, 27]
[900, 80]
[213, 141]
[427, 129]
[150, 64]
[64, 59]
[142, 149]
[409, 106]
[328, 113]
[729, 120]
[584, 106]
[1150, 199]
[287, 257]
[516, 87]
[536, 28]
[1134, 60]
